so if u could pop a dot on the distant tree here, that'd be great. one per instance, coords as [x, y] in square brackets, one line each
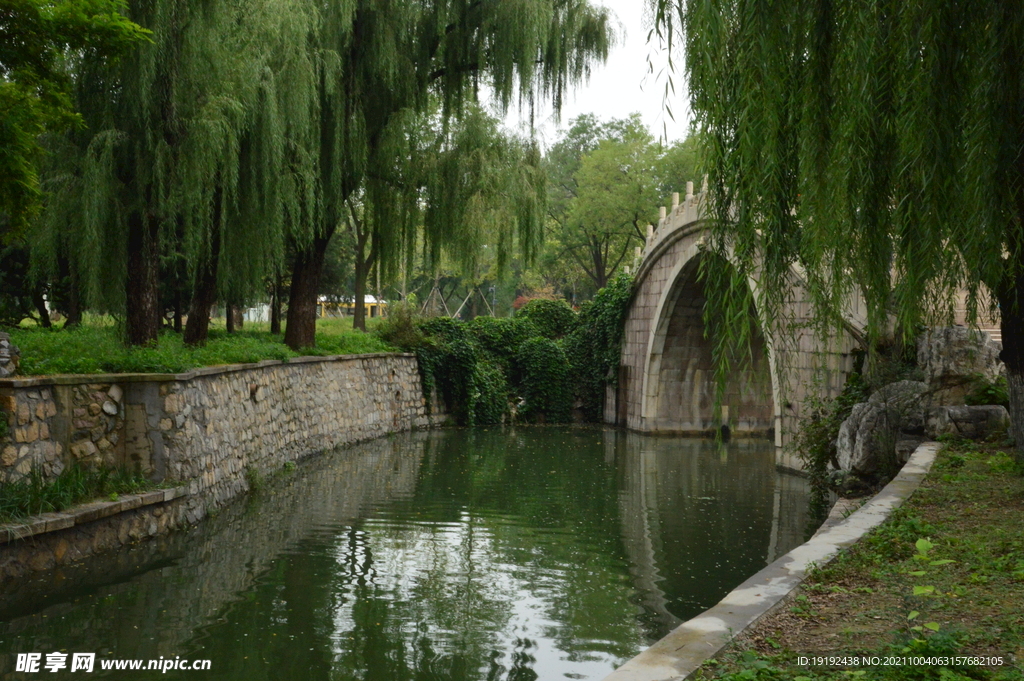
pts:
[606, 182]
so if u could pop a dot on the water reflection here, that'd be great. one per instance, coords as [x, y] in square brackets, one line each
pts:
[543, 553]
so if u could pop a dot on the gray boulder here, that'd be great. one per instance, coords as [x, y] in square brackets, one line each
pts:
[975, 423]
[867, 440]
[9, 356]
[955, 360]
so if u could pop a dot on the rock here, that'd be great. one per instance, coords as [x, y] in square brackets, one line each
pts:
[867, 440]
[975, 423]
[115, 393]
[902, 399]
[94, 409]
[955, 361]
[109, 408]
[9, 356]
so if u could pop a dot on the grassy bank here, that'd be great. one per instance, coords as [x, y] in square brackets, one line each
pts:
[960, 591]
[96, 347]
[34, 495]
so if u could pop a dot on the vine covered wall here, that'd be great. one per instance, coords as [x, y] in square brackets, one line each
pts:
[541, 366]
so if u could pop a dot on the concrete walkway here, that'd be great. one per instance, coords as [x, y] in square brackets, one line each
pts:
[681, 652]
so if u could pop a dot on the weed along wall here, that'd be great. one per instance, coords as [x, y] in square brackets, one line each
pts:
[208, 433]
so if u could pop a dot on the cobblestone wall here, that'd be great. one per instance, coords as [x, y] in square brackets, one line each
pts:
[210, 427]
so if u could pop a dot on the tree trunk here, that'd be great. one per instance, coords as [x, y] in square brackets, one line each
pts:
[275, 306]
[177, 312]
[40, 304]
[309, 262]
[1011, 312]
[69, 272]
[142, 285]
[363, 266]
[204, 295]
[229, 318]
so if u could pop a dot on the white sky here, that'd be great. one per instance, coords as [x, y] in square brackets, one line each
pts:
[623, 85]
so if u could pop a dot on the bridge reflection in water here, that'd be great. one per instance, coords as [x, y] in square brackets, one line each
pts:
[545, 553]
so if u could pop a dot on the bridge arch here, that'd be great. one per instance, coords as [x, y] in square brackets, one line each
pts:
[664, 382]
[678, 390]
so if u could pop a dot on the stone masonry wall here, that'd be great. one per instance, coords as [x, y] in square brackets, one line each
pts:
[808, 366]
[209, 427]
[211, 432]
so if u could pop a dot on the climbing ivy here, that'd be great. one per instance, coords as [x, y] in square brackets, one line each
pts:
[500, 337]
[534, 366]
[594, 345]
[553, 318]
[542, 377]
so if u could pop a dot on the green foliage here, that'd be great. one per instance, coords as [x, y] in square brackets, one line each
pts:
[35, 93]
[448, 362]
[606, 181]
[400, 328]
[594, 347]
[996, 392]
[479, 369]
[815, 441]
[542, 377]
[875, 147]
[491, 401]
[93, 350]
[34, 494]
[552, 318]
[500, 337]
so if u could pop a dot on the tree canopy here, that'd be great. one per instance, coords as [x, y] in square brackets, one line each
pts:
[38, 42]
[606, 183]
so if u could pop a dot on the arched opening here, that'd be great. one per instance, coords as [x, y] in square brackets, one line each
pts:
[679, 386]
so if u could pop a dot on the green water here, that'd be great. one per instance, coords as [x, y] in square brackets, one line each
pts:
[490, 554]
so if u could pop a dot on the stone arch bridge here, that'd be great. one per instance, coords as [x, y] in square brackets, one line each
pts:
[665, 383]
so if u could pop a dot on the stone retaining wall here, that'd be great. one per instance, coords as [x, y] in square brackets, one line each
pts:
[211, 431]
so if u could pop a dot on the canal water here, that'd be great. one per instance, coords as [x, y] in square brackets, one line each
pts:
[453, 555]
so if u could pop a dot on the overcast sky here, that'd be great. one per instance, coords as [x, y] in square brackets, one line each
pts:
[624, 84]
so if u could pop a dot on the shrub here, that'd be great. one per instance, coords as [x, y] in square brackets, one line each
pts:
[447, 359]
[491, 401]
[990, 393]
[401, 328]
[553, 318]
[595, 345]
[500, 337]
[542, 376]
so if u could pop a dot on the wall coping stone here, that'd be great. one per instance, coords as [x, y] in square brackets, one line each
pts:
[680, 653]
[85, 513]
[75, 379]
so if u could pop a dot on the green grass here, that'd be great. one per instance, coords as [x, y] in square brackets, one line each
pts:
[34, 495]
[943, 576]
[97, 348]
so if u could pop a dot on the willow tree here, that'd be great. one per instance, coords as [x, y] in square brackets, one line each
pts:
[877, 145]
[383, 64]
[38, 41]
[180, 154]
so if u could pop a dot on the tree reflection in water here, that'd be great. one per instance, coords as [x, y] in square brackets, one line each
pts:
[457, 555]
